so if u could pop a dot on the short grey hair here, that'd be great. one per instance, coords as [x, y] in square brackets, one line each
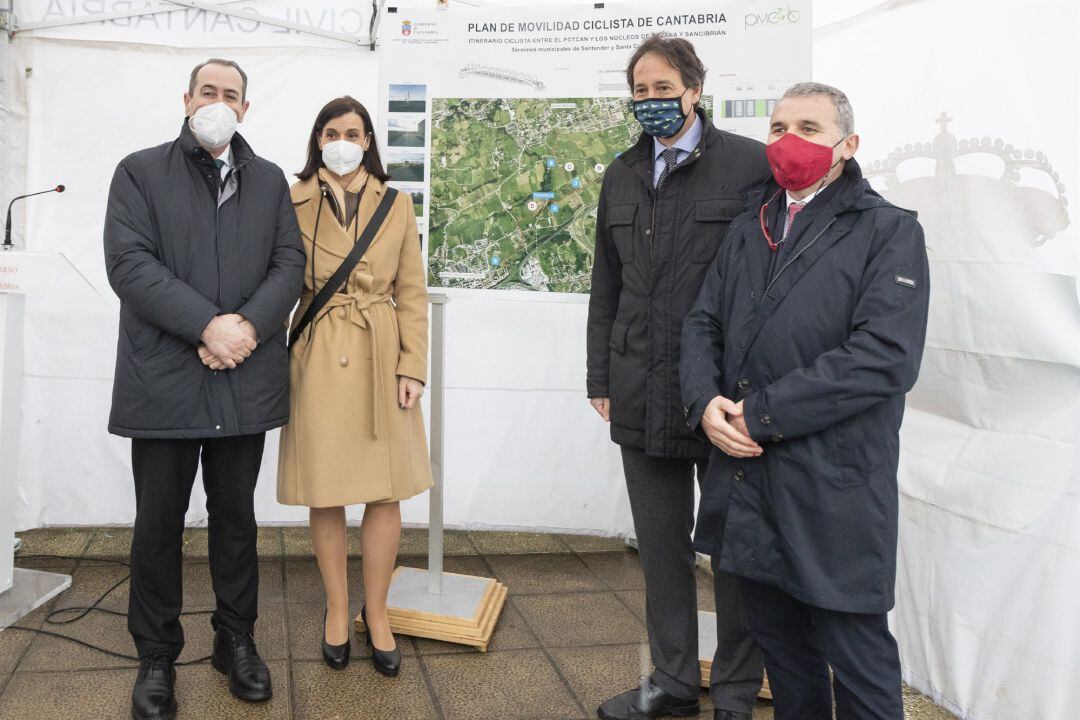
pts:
[845, 117]
[219, 61]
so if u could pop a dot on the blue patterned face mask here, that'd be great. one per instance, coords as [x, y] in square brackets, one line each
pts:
[660, 117]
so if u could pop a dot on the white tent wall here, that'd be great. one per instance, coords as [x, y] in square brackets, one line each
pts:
[91, 104]
[989, 567]
[524, 450]
[989, 559]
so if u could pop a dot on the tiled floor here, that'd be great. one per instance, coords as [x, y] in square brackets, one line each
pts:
[571, 635]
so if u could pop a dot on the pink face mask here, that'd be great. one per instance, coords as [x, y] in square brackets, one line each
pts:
[798, 163]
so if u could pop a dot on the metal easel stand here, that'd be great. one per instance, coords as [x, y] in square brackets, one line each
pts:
[430, 603]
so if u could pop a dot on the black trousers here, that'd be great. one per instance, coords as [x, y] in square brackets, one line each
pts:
[164, 474]
[802, 642]
[662, 502]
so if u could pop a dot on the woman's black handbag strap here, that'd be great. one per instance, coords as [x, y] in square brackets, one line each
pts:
[342, 273]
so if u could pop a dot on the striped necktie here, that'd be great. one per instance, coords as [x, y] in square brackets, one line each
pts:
[670, 156]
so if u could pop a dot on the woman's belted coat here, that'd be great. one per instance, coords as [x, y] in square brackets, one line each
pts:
[348, 441]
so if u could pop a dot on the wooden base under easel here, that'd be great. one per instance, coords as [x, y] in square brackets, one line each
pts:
[464, 613]
[707, 649]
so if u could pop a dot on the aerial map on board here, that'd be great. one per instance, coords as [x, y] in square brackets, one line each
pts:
[514, 189]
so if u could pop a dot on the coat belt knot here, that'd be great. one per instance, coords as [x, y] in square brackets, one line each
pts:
[356, 308]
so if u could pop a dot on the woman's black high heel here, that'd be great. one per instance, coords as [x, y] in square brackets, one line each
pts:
[387, 662]
[336, 656]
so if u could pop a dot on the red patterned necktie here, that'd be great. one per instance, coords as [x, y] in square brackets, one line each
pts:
[792, 210]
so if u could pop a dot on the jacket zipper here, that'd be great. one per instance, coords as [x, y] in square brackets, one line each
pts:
[656, 194]
[217, 252]
[800, 251]
[652, 224]
[236, 405]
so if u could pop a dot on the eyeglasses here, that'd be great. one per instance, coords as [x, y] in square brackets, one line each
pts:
[774, 246]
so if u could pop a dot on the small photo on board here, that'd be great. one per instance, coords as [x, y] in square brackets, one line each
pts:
[418, 201]
[417, 194]
[407, 130]
[405, 165]
[406, 98]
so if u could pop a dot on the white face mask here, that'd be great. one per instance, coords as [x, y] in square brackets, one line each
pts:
[214, 125]
[341, 157]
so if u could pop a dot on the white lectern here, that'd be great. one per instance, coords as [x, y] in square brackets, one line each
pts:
[21, 274]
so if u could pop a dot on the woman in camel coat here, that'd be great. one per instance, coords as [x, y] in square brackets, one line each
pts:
[356, 433]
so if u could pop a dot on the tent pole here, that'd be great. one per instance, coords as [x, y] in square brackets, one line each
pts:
[7, 18]
[165, 7]
[376, 19]
[168, 6]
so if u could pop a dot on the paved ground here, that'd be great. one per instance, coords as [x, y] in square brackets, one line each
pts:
[571, 635]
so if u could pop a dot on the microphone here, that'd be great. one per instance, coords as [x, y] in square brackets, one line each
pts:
[7, 225]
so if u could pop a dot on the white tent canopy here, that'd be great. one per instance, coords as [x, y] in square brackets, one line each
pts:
[967, 113]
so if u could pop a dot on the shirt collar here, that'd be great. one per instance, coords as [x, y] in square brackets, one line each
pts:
[687, 143]
[806, 200]
[226, 157]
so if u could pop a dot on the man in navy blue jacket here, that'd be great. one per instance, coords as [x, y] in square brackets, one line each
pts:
[806, 335]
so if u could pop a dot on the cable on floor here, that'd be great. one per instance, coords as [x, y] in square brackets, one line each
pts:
[53, 617]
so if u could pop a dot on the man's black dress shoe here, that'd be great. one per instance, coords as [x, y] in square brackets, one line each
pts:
[236, 656]
[153, 698]
[645, 703]
[336, 656]
[719, 714]
[387, 662]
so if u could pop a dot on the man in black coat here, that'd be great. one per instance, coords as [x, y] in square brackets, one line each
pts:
[664, 210]
[203, 249]
[806, 336]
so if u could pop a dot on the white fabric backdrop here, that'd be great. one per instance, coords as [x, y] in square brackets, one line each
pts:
[524, 447]
[989, 560]
[990, 517]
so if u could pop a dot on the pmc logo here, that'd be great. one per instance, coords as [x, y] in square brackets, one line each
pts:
[779, 16]
[406, 28]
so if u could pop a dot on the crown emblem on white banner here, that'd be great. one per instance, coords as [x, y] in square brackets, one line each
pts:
[1005, 179]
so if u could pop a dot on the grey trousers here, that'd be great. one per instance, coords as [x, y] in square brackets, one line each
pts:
[662, 502]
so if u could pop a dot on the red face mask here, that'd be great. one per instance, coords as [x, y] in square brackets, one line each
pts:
[798, 163]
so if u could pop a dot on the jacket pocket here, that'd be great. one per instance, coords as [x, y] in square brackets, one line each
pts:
[143, 338]
[851, 466]
[620, 227]
[626, 379]
[711, 220]
[618, 337]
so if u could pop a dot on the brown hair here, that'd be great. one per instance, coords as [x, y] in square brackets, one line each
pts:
[226, 63]
[336, 108]
[678, 53]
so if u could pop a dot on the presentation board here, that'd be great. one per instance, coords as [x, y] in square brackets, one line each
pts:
[501, 122]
